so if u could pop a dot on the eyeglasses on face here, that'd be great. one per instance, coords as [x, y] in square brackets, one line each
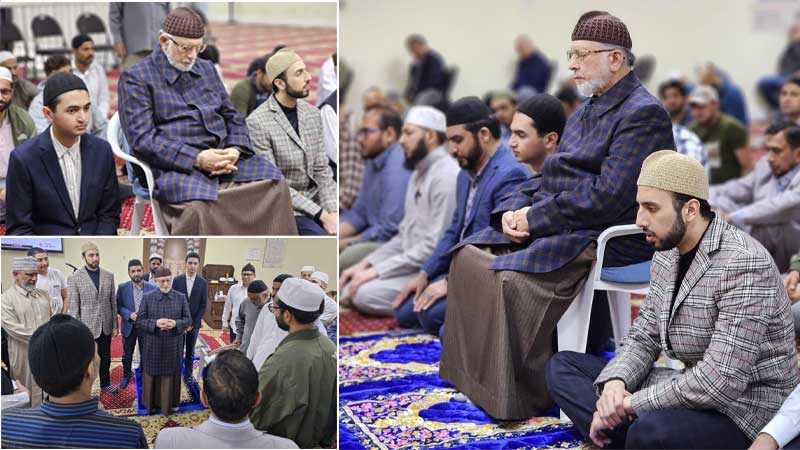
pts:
[580, 55]
[188, 48]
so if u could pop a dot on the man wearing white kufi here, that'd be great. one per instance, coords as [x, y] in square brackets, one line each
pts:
[306, 271]
[25, 308]
[430, 201]
[267, 334]
[298, 382]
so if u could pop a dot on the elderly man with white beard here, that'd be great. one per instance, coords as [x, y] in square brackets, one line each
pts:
[502, 310]
[177, 117]
[25, 309]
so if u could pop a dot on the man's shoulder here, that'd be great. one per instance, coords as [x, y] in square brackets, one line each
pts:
[304, 107]
[730, 123]
[27, 149]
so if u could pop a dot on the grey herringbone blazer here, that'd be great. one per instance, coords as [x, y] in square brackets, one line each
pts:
[731, 325]
[301, 159]
[96, 309]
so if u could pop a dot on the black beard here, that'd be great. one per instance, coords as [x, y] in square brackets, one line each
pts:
[137, 279]
[302, 93]
[472, 158]
[418, 154]
[281, 324]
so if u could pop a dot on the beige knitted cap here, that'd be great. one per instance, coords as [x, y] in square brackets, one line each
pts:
[671, 171]
[88, 246]
[279, 62]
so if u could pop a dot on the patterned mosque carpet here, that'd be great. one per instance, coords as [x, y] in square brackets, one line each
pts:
[237, 49]
[125, 403]
[391, 397]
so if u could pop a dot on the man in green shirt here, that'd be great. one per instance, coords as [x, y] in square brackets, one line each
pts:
[723, 136]
[792, 283]
[298, 381]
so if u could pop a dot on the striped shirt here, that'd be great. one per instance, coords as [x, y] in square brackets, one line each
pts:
[76, 425]
[69, 159]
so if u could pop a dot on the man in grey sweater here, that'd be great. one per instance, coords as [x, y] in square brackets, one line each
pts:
[246, 317]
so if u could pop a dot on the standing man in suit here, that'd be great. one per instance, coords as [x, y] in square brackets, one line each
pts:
[195, 288]
[716, 303]
[129, 298]
[63, 181]
[91, 297]
[488, 172]
[155, 262]
[288, 131]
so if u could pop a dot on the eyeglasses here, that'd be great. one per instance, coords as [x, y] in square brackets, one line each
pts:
[6, 91]
[188, 48]
[366, 131]
[272, 306]
[580, 55]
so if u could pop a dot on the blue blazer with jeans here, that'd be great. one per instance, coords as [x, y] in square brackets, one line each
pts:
[37, 197]
[126, 304]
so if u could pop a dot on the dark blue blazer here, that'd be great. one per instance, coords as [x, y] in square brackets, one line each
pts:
[37, 198]
[126, 305]
[199, 299]
[501, 175]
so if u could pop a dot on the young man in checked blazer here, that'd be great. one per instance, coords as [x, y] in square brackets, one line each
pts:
[716, 303]
[288, 132]
[90, 291]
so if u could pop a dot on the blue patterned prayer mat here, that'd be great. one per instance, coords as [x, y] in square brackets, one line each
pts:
[391, 397]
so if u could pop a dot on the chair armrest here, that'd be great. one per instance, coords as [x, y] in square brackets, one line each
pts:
[611, 233]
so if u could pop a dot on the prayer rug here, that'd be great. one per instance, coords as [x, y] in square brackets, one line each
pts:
[391, 397]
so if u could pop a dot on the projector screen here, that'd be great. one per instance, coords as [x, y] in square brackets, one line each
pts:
[49, 244]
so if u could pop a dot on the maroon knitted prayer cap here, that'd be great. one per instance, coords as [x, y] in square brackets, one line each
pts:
[184, 22]
[600, 26]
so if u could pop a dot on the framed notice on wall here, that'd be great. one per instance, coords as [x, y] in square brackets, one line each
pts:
[274, 253]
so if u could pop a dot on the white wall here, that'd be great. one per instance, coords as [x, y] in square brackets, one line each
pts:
[478, 37]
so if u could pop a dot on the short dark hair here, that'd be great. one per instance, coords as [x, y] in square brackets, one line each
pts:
[793, 80]
[55, 62]
[58, 361]
[568, 94]
[791, 132]
[81, 39]
[672, 84]
[387, 118]
[304, 317]
[258, 64]
[230, 382]
[282, 277]
[33, 251]
[192, 255]
[490, 123]
[678, 200]
[248, 268]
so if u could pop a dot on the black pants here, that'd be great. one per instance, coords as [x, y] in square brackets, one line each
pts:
[128, 346]
[188, 359]
[570, 377]
[307, 226]
[104, 350]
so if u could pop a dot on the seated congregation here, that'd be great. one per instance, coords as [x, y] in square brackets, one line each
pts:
[490, 246]
[216, 171]
[273, 387]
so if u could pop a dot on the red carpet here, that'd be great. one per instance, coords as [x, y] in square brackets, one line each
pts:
[352, 322]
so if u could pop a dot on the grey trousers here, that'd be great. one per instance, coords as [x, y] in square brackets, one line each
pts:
[353, 254]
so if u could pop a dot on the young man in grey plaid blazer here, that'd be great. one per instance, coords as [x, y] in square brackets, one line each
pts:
[92, 300]
[288, 131]
[716, 303]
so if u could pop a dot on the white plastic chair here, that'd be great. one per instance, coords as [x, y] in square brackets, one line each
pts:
[573, 328]
[115, 138]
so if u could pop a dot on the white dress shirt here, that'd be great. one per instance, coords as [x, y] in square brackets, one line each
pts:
[69, 159]
[236, 295]
[189, 285]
